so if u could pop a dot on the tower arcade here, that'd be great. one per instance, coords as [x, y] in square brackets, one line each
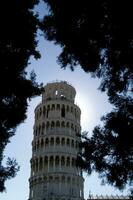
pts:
[54, 175]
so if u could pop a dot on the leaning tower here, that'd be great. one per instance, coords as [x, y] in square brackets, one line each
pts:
[54, 175]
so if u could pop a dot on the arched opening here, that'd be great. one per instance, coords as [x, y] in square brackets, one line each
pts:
[57, 124]
[72, 143]
[67, 109]
[58, 107]
[46, 142]
[51, 178]
[44, 111]
[51, 161]
[57, 160]
[77, 144]
[75, 112]
[34, 147]
[72, 127]
[62, 161]
[63, 124]
[52, 141]
[36, 130]
[68, 142]
[52, 124]
[63, 141]
[48, 109]
[57, 141]
[63, 111]
[36, 165]
[53, 107]
[45, 161]
[68, 161]
[43, 128]
[73, 162]
[68, 180]
[42, 143]
[37, 144]
[40, 163]
[68, 125]
[39, 129]
[71, 109]
[47, 125]
[63, 179]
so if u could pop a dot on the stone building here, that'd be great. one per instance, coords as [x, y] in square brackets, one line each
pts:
[54, 175]
[108, 197]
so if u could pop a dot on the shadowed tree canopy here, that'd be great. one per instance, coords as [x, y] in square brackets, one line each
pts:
[98, 36]
[17, 43]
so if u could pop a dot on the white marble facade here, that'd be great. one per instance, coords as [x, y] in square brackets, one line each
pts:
[54, 175]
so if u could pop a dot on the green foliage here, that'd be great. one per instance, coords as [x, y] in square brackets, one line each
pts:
[98, 36]
[18, 43]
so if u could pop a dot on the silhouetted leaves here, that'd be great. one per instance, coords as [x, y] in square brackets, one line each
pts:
[17, 44]
[8, 172]
[109, 151]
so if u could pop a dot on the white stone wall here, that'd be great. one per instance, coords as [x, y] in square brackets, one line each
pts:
[59, 90]
[54, 174]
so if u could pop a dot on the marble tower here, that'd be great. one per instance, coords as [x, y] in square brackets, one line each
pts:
[54, 175]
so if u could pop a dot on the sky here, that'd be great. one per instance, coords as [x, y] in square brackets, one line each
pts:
[93, 105]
